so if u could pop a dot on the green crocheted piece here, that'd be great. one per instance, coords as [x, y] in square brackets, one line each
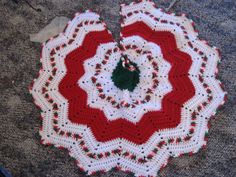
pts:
[125, 79]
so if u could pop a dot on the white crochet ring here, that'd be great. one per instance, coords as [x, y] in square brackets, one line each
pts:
[123, 97]
[134, 125]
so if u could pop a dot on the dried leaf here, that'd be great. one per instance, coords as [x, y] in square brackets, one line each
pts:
[55, 27]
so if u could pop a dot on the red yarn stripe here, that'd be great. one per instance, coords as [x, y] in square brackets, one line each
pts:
[104, 130]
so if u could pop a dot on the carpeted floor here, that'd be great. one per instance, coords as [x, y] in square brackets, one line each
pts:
[20, 148]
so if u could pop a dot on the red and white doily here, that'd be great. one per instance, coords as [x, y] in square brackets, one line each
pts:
[103, 125]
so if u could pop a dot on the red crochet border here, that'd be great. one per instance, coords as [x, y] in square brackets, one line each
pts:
[104, 130]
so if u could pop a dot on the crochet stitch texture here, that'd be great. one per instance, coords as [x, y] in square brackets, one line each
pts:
[103, 125]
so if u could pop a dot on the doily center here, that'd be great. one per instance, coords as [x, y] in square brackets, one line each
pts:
[126, 74]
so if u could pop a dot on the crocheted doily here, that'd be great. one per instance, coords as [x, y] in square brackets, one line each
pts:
[130, 105]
